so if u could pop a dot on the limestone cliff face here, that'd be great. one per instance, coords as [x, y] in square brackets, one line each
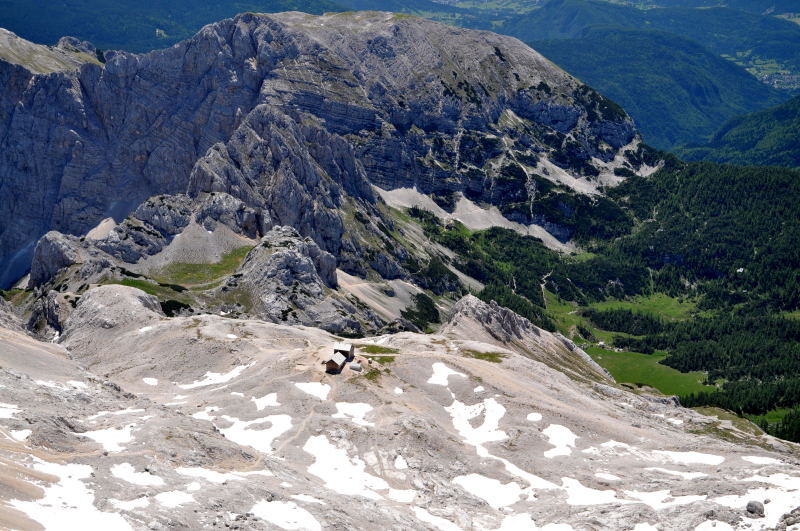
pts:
[289, 114]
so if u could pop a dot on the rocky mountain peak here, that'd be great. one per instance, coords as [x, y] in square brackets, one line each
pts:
[233, 110]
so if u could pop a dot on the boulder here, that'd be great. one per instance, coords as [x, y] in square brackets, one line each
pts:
[755, 509]
[54, 252]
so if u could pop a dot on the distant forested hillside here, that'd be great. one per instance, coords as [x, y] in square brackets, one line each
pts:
[753, 6]
[768, 137]
[153, 24]
[674, 89]
[768, 47]
[138, 26]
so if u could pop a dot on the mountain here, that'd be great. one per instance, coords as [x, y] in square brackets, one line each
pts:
[520, 277]
[492, 423]
[682, 91]
[233, 111]
[766, 137]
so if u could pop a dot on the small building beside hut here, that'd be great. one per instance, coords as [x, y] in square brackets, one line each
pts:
[345, 349]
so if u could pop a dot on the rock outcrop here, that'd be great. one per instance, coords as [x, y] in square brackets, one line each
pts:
[289, 279]
[8, 318]
[291, 114]
[108, 308]
[503, 324]
[496, 324]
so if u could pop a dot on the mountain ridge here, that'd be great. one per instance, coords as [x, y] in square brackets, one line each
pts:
[143, 125]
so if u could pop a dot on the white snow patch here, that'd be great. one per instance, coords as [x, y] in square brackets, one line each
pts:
[241, 433]
[781, 501]
[644, 526]
[354, 411]
[21, 435]
[270, 400]
[402, 496]
[488, 431]
[145, 329]
[780, 480]
[174, 498]
[616, 444]
[231, 336]
[236, 393]
[203, 415]
[676, 422]
[307, 498]
[689, 458]
[208, 475]
[126, 472]
[605, 476]
[478, 389]
[494, 492]
[400, 462]
[684, 475]
[492, 410]
[441, 372]
[212, 378]
[46, 383]
[760, 460]
[130, 505]
[342, 473]
[577, 494]
[68, 504]
[8, 410]
[661, 499]
[534, 417]
[150, 381]
[286, 515]
[439, 523]
[562, 438]
[398, 391]
[77, 385]
[524, 521]
[320, 390]
[112, 439]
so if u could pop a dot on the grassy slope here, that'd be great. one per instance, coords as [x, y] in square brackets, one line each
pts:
[185, 274]
[644, 369]
[657, 303]
[631, 367]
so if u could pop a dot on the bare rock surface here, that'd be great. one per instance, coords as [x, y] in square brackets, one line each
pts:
[290, 279]
[139, 421]
[294, 115]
